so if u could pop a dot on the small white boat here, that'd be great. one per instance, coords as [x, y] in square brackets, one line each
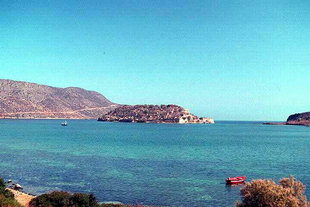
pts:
[64, 123]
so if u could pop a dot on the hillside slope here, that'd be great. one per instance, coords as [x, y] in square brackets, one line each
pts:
[29, 100]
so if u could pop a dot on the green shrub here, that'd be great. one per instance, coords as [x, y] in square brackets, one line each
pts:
[2, 186]
[8, 202]
[83, 200]
[64, 199]
[4, 191]
[7, 197]
[266, 193]
[53, 199]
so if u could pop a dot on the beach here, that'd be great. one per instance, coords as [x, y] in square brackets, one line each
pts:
[22, 198]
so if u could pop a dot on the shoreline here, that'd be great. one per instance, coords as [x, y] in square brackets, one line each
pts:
[25, 198]
[288, 123]
[22, 197]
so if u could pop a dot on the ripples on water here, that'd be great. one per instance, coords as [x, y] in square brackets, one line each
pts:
[160, 164]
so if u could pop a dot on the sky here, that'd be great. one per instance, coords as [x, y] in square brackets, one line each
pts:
[230, 60]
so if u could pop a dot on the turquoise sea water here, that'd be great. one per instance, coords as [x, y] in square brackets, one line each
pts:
[156, 164]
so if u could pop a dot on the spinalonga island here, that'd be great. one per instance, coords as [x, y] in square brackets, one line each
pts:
[154, 114]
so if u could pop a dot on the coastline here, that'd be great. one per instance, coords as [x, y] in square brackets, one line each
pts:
[24, 199]
[288, 123]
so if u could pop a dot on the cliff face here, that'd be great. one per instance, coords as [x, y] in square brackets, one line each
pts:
[153, 114]
[29, 100]
[299, 119]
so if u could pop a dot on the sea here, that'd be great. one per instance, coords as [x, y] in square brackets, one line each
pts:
[151, 164]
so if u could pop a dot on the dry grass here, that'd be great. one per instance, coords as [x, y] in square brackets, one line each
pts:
[266, 193]
[22, 198]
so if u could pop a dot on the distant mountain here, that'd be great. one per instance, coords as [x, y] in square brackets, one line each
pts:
[153, 114]
[295, 119]
[29, 100]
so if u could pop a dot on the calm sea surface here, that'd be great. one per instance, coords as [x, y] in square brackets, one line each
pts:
[159, 164]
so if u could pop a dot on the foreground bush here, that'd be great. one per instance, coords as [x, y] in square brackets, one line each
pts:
[266, 193]
[8, 202]
[7, 197]
[64, 199]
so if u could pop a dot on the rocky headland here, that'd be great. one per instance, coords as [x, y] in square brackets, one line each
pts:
[302, 119]
[153, 114]
[25, 100]
[299, 119]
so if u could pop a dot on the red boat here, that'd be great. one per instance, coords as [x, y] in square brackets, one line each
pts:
[235, 180]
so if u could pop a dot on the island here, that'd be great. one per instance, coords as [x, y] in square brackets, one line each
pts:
[153, 114]
[302, 119]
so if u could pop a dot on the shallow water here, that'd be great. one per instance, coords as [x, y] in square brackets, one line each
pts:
[159, 164]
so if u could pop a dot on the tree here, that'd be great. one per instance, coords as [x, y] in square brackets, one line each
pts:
[3, 189]
[266, 193]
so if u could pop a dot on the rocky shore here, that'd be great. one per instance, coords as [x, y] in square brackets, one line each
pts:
[153, 114]
[12, 195]
[302, 119]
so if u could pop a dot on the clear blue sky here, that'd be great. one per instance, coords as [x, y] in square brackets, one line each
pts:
[232, 60]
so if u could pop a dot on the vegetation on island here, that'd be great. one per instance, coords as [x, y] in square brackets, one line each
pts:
[289, 192]
[153, 114]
